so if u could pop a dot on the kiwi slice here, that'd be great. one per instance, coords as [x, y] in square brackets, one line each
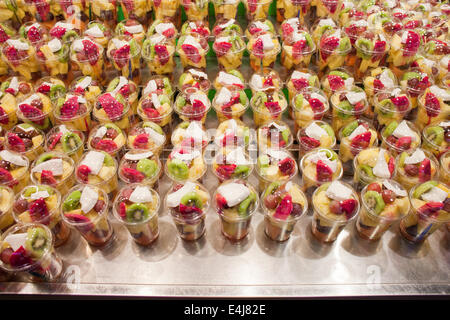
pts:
[36, 241]
[328, 129]
[365, 47]
[387, 108]
[112, 126]
[178, 169]
[153, 126]
[260, 99]
[134, 47]
[192, 198]
[69, 36]
[137, 212]
[4, 86]
[263, 161]
[163, 99]
[147, 167]
[184, 125]
[108, 161]
[410, 75]
[236, 73]
[367, 170]
[402, 158]
[44, 158]
[374, 201]
[344, 105]
[313, 80]
[350, 128]
[184, 27]
[244, 206]
[70, 141]
[298, 101]
[424, 187]
[390, 129]
[240, 171]
[435, 134]
[340, 74]
[344, 46]
[57, 91]
[72, 201]
[113, 84]
[271, 188]
[285, 134]
[29, 191]
[181, 102]
[309, 40]
[243, 98]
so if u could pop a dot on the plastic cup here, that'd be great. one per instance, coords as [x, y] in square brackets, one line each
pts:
[26, 65]
[196, 168]
[72, 150]
[101, 38]
[287, 9]
[342, 117]
[166, 9]
[415, 92]
[195, 59]
[445, 168]
[427, 115]
[417, 226]
[402, 56]
[48, 85]
[266, 59]
[92, 65]
[137, 9]
[230, 58]
[151, 144]
[270, 136]
[43, 118]
[305, 114]
[309, 178]
[131, 160]
[81, 120]
[196, 11]
[145, 230]
[21, 179]
[408, 181]
[6, 204]
[328, 8]
[160, 62]
[396, 150]
[44, 268]
[122, 120]
[428, 143]
[225, 112]
[325, 227]
[56, 64]
[292, 58]
[225, 9]
[221, 163]
[371, 226]
[163, 120]
[128, 65]
[191, 114]
[332, 59]
[31, 153]
[105, 11]
[257, 9]
[262, 115]
[8, 119]
[305, 147]
[385, 114]
[114, 147]
[369, 58]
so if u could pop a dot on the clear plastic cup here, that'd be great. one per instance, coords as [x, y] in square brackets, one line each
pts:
[234, 108]
[197, 10]
[41, 10]
[147, 136]
[52, 87]
[306, 143]
[20, 175]
[34, 32]
[330, 57]
[137, 9]
[53, 63]
[370, 51]
[180, 170]
[288, 9]
[26, 64]
[104, 10]
[67, 140]
[79, 119]
[410, 175]
[193, 55]
[139, 166]
[328, 8]
[431, 113]
[87, 87]
[404, 48]
[293, 54]
[341, 114]
[164, 120]
[90, 64]
[102, 37]
[395, 148]
[308, 105]
[124, 53]
[6, 204]
[184, 105]
[143, 226]
[166, 9]
[229, 50]
[385, 109]
[225, 9]
[308, 169]
[445, 168]
[44, 266]
[232, 163]
[36, 109]
[120, 119]
[257, 9]
[30, 151]
[23, 206]
[260, 107]
[260, 58]
[433, 139]
[274, 135]
[415, 86]
[159, 55]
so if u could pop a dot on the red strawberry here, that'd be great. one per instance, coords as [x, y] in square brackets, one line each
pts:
[39, 211]
[13, 55]
[335, 82]
[48, 178]
[70, 108]
[425, 171]
[20, 258]
[287, 166]
[432, 105]
[285, 208]
[3, 35]
[4, 118]
[15, 142]
[310, 143]
[122, 210]
[151, 113]
[133, 175]
[402, 103]
[125, 90]
[328, 45]
[258, 48]
[273, 107]
[201, 31]
[222, 48]
[83, 173]
[106, 145]
[348, 206]
[316, 105]
[141, 141]
[268, 82]
[163, 53]
[360, 142]
[91, 51]
[377, 84]
[221, 201]
[300, 84]
[191, 52]
[286, 29]
[112, 107]
[34, 35]
[44, 88]
[254, 29]
[378, 51]
[58, 32]
[324, 172]
[225, 171]
[5, 176]
[403, 143]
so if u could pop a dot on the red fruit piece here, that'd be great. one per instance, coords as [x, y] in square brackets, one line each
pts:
[20, 258]
[254, 29]
[48, 178]
[360, 142]
[300, 84]
[133, 175]
[412, 24]
[284, 209]
[258, 48]
[221, 201]
[43, 8]
[252, 5]
[44, 88]
[335, 82]
[412, 44]
[106, 145]
[324, 172]
[310, 143]
[316, 105]
[4, 118]
[225, 171]
[34, 35]
[201, 31]
[430, 209]
[331, 5]
[39, 210]
[377, 84]
[378, 51]
[268, 82]
[163, 53]
[403, 143]
[287, 166]
[391, 165]
[141, 141]
[191, 52]
[432, 105]
[70, 108]
[157, 2]
[58, 32]
[298, 48]
[3, 35]
[169, 33]
[425, 171]
[129, 5]
[122, 55]
[83, 173]
[327, 46]
[55, 140]
[273, 107]
[222, 48]
[189, 210]
[122, 210]
[32, 113]
[5, 176]
[151, 113]
[348, 207]
[15, 142]
[286, 29]
[84, 224]
[112, 107]
[125, 90]
[402, 103]
[13, 55]
[374, 187]
[90, 49]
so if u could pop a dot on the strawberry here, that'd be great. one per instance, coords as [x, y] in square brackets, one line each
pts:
[273, 107]
[324, 172]
[432, 105]
[4, 118]
[42, 8]
[298, 48]
[121, 56]
[151, 113]
[412, 24]
[32, 113]
[310, 143]
[169, 33]
[252, 5]
[133, 175]
[106, 145]
[425, 171]
[20, 258]
[112, 107]
[222, 48]
[15, 142]
[39, 210]
[122, 210]
[48, 178]
[402, 103]
[58, 32]
[34, 35]
[327, 46]
[83, 173]
[300, 84]
[316, 105]
[5, 176]
[287, 166]
[201, 31]
[348, 207]
[335, 82]
[156, 3]
[252, 29]
[191, 52]
[129, 5]
[162, 53]
[268, 82]
[44, 88]
[258, 48]
[285, 208]
[225, 171]
[403, 143]
[377, 84]
[141, 141]
[70, 108]
[13, 56]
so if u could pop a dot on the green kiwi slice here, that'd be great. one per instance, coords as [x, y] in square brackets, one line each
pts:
[350, 128]
[435, 134]
[192, 198]
[367, 170]
[178, 169]
[70, 141]
[245, 205]
[137, 212]
[147, 167]
[36, 241]
[423, 188]
[72, 201]
[374, 201]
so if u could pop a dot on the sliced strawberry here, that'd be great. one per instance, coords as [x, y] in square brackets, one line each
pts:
[106, 145]
[48, 178]
[44, 88]
[268, 82]
[331, 5]
[4, 118]
[297, 48]
[3, 35]
[84, 224]
[34, 35]
[225, 171]
[273, 107]
[335, 82]
[285, 208]
[425, 171]
[191, 52]
[222, 48]
[316, 105]
[432, 105]
[151, 113]
[5, 176]
[324, 172]
[133, 175]
[402, 103]
[83, 173]
[163, 53]
[252, 5]
[403, 143]
[310, 143]
[412, 44]
[141, 141]
[42, 8]
[90, 49]
[39, 210]
[348, 207]
[287, 166]
[300, 84]
[122, 55]
[20, 258]
[15, 142]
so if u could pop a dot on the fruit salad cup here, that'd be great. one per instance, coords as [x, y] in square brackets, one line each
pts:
[6, 205]
[235, 201]
[98, 169]
[434, 106]
[77, 10]
[192, 49]
[265, 79]
[105, 11]
[260, 26]
[54, 58]
[136, 207]
[107, 137]
[195, 9]
[308, 105]
[194, 78]
[86, 55]
[165, 28]
[36, 109]
[268, 105]
[290, 9]
[140, 166]
[232, 163]
[14, 88]
[429, 211]
[337, 80]
[444, 66]
[73, 110]
[232, 80]
[283, 205]
[274, 135]
[298, 50]
[273, 166]
[232, 133]
[373, 164]
[125, 54]
[147, 136]
[166, 9]
[436, 138]
[327, 8]
[98, 32]
[334, 46]
[14, 170]
[89, 88]
[445, 168]
[34, 32]
[321, 26]
[257, 9]
[131, 28]
[26, 140]
[158, 53]
[355, 137]
[158, 109]
[347, 106]
[263, 50]
[371, 48]
[190, 134]
[316, 134]
[20, 55]
[85, 208]
[225, 9]
[378, 80]
[319, 166]
[200, 26]
[415, 82]
[301, 79]
[335, 205]
[127, 89]
[8, 114]
[230, 104]
[185, 164]
[415, 167]
[192, 105]
[226, 26]
[391, 106]
[12, 13]
[40, 204]
[65, 140]
[136, 9]
[404, 47]
[28, 249]
[383, 203]
[398, 137]
[188, 204]
[229, 50]
[52, 87]
[65, 31]
[113, 109]
[350, 11]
